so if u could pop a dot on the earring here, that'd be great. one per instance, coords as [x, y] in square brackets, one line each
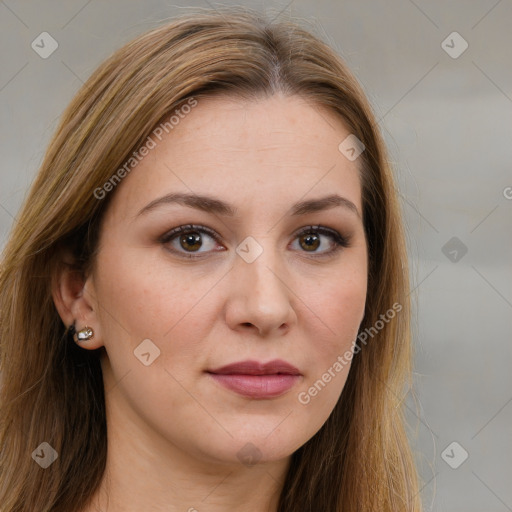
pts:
[84, 334]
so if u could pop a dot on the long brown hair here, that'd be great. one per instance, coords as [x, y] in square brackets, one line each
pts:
[52, 391]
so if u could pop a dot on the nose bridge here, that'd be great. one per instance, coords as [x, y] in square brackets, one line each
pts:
[262, 274]
[259, 264]
[259, 285]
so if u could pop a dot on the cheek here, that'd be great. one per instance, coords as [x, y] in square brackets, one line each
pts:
[141, 293]
[130, 304]
[338, 308]
[140, 296]
[140, 299]
[339, 304]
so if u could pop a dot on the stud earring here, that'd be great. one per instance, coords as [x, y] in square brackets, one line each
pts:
[84, 334]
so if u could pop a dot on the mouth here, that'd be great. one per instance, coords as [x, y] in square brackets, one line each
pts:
[257, 380]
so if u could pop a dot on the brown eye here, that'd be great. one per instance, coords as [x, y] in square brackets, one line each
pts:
[191, 241]
[320, 241]
[309, 241]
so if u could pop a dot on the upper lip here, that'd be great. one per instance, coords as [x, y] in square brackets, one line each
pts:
[250, 367]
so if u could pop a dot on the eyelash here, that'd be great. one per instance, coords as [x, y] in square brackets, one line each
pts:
[339, 240]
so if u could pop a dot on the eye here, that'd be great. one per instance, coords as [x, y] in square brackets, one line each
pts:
[192, 241]
[187, 240]
[313, 237]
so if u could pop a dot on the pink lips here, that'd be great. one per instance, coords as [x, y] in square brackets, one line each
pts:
[257, 380]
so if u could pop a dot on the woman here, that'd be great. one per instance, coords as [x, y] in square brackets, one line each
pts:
[210, 267]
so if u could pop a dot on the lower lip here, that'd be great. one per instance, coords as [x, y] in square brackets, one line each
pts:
[257, 386]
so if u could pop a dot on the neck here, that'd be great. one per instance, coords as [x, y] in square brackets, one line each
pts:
[204, 489]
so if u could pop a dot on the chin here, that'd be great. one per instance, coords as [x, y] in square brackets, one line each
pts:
[260, 444]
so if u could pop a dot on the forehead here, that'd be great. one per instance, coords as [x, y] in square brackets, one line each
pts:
[277, 149]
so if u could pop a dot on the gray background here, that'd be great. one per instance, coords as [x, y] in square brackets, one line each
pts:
[447, 122]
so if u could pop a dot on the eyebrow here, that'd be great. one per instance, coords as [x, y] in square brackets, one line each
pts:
[212, 205]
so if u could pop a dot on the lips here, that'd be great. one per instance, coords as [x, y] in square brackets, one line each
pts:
[257, 380]
[256, 368]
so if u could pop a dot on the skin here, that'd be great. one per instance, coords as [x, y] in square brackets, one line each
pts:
[174, 433]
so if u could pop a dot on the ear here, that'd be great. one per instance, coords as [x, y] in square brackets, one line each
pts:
[75, 303]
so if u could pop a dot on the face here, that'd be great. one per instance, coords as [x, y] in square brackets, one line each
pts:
[224, 309]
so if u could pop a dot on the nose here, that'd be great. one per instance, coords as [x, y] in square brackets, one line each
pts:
[260, 296]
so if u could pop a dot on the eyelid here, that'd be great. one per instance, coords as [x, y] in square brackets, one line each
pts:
[342, 239]
[185, 228]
